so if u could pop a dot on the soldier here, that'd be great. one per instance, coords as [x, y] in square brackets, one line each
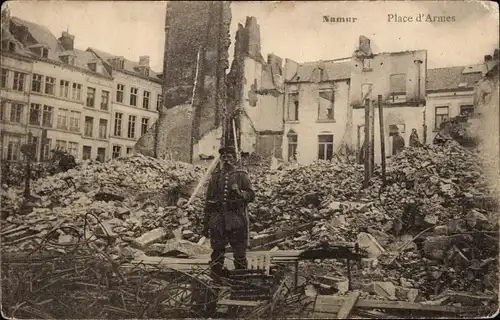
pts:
[67, 162]
[414, 140]
[228, 194]
[398, 143]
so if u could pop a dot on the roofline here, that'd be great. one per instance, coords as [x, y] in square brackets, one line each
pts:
[16, 56]
[104, 61]
[332, 80]
[449, 90]
[130, 73]
[69, 66]
[462, 66]
[339, 60]
[400, 52]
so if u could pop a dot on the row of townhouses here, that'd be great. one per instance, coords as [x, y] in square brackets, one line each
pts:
[90, 103]
[308, 111]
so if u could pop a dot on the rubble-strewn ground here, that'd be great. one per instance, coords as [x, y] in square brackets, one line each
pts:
[431, 230]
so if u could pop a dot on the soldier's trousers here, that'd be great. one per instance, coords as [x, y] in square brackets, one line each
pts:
[237, 238]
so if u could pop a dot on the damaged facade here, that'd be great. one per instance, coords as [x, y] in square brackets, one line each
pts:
[399, 77]
[297, 111]
[66, 97]
[486, 124]
[256, 93]
[450, 92]
[196, 51]
[316, 107]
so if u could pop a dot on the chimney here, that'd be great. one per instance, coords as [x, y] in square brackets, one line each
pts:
[275, 62]
[67, 41]
[144, 61]
[364, 45]
[253, 37]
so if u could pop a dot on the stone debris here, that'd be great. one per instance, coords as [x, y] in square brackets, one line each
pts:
[423, 226]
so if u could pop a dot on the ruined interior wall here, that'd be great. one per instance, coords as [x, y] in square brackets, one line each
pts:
[208, 145]
[487, 125]
[192, 27]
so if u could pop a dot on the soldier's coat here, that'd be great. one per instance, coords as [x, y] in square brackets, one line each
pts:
[224, 209]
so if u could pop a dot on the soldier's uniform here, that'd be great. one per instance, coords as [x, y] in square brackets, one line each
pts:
[226, 215]
[414, 141]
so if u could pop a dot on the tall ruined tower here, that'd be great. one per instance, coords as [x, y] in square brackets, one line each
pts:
[196, 51]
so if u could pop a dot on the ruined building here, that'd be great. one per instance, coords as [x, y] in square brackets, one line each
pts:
[196, 51]
[250, 96]
[294, 111]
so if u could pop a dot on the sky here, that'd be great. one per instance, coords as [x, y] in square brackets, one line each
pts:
[293, 30]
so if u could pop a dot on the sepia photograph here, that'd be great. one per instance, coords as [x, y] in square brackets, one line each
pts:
[249, 159]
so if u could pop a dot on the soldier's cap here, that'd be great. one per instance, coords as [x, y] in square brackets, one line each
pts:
[227, 150]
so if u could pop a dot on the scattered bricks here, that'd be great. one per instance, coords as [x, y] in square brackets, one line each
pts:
[66, 240]
[122, 212]
[441, 230]
[438, 247]
[370, 244]
[339, 283]
[405, 283]
[106, 229]
[383, 289]
[334, 206]
[187, 233]
[202, 241]
[431, 219]
[369, 263]
[406, 294]
[474, 218]
[382, 237]
[150, 237]
[324, 288]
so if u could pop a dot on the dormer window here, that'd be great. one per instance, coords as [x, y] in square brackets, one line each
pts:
[146, 72]
[8, 46]
[93, 66]
[68, 59]
[118, 63]
[40, 49]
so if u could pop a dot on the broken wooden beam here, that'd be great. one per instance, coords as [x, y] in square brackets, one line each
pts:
[10, 230]
[240, 303]
[348, 305]
[334, 304]
[278, 236]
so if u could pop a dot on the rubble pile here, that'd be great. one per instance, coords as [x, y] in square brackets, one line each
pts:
[125, 198]
[427, 225]
[13, 174]
[437, 181]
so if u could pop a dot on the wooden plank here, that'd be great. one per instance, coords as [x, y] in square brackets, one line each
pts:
[204, 179]
[382, 134]
[372, 138]
[12, 229]
[278, 236]
[336, 303]
[348, 304]
[241, 303]
[201, 260]
[367, 161]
